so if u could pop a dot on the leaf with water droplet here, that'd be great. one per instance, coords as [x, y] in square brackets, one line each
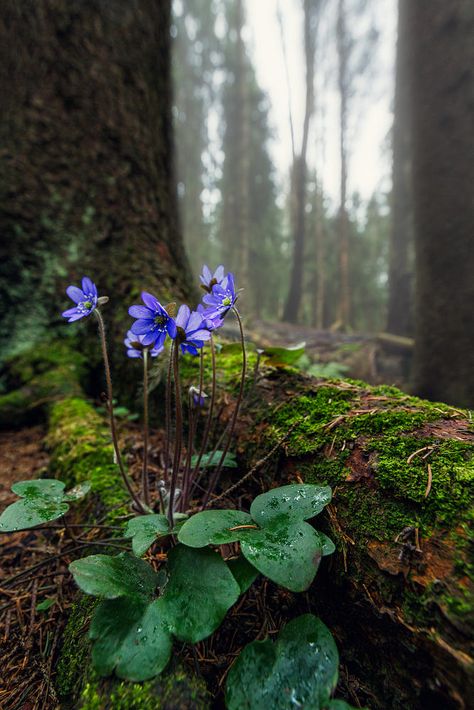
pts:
[131, 637]
[115, 576]
[300, 501]
[244, 573]
[215, 527]
[299, 670]
[144, 530]
[285, 550]
[200, 591]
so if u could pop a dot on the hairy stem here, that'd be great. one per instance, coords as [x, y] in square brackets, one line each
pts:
[110, 407]
[215, 476]
[207, 429]
[179, 432]
[145, 485]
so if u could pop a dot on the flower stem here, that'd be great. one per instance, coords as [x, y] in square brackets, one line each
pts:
[207, 429]
[178, 433]
[215, 476]
[113, 430]
[189, 453]
[145, 486]
[168, 414]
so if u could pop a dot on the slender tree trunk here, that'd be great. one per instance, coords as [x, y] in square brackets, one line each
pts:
[243, 127]
[320, 241]
[298, 182]
[344, 304]
[87, 183]
[400, 276]
[441, 54]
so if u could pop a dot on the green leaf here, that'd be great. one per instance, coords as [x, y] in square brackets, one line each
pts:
[327, 545]
[45, 604]
[112, 577]
[287, 551]
[130, 637]
[214, 527]
[301, 501]
[144, 530]
[121, 412]
[40, 488]
[212, 459]
[78, 492]
[244, 573]
[284, 356]
[200, 591]
[299, 670]
[42, 500]
[28, 513]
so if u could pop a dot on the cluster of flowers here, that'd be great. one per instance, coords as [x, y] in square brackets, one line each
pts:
[154, 323]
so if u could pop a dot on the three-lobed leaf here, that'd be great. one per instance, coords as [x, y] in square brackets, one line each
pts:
[144, 530]
[118, 576]
[41, 501]
[301, 501]
[215, 527]
[131, 638]
[299, 670]
[200, 591]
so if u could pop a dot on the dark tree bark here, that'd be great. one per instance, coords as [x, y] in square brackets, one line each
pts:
[441, 51]
[87, 182]
[400, 276]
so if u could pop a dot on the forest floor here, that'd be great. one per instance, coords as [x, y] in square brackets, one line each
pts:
[36, 589]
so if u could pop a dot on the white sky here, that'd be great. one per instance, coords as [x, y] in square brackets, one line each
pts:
[372, 114]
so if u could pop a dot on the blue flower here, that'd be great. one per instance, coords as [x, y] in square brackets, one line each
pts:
[153, 322]
[212, 322]
[192, 331]
[85, 300]
[135, 347]
[198, 397]
[208, 279]
[221, 299]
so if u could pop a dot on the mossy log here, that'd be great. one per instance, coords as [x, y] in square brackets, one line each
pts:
[398, 593]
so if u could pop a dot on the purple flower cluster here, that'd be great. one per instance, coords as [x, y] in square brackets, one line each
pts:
[154, 323]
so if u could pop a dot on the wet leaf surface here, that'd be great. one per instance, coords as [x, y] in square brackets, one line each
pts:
[111, 577]
[144, 530]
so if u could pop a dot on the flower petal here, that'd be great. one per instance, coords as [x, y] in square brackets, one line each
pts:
[219, 273]
[70, 312]
[88, 287]
[171, 328]
[201, 335]
[75, 294]
[77, 316]
[140, 312]
[150, 301]
[133, 353]
[183, 316]
[142, 326]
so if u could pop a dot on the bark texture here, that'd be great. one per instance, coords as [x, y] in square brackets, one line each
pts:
[441, 51]
[87, 182]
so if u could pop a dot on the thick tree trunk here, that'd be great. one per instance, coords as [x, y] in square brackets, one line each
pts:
[400, 276]
[441, 51]
[87, 181]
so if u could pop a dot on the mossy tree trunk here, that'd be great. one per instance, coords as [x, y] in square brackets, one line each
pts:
[87, 184]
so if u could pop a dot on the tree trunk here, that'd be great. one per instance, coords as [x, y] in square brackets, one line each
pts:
[87, 184]
[298, 176]
[400, 276]
[441, 53]
[344, 304]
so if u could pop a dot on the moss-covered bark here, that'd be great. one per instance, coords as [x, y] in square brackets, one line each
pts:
[399, 591]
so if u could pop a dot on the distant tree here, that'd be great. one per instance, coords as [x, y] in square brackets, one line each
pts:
[298, 176]
[440, 45]
[354, 58]
[87, 183]
[401, 255]
[249, 221]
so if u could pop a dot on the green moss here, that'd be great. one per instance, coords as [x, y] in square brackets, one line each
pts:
[81, 450]
[228, 365]
[75, 650]
[175, 689]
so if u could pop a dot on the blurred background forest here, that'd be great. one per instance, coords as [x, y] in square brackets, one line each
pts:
[321, 149]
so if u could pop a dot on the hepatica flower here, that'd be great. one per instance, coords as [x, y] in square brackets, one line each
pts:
[153, 321]
[209, 279]
[210, 322]
[135, 347]
[221, 299]
[85, 300]
[192, 331]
